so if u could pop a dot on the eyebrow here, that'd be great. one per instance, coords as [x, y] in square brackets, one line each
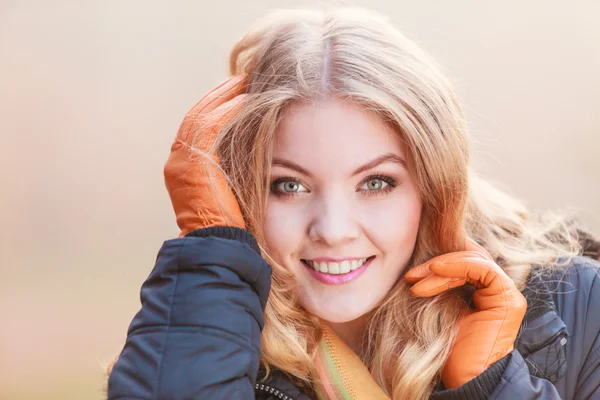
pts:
[291, 165]
[387, 157]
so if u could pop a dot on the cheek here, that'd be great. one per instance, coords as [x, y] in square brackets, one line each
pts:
[394, 224]
[283, 227]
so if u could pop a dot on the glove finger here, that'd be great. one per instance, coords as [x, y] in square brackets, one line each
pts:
[196, 117]
[417, 273]
[475, 270]
[222, 93]
[434, 285]
[217, 118]
[421, 271]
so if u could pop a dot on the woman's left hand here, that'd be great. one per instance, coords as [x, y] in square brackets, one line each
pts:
[487, 334]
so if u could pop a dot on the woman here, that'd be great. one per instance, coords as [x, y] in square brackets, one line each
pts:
[337, 155]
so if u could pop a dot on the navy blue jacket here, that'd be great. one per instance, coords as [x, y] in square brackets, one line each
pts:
[197, 335]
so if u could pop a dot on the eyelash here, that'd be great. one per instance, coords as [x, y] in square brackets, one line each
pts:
[391, 184]
[283, 179]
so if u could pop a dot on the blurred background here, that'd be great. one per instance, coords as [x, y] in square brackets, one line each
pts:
[91, 96]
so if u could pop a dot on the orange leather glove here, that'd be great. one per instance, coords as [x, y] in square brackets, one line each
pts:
[197, 203]
[489, 333]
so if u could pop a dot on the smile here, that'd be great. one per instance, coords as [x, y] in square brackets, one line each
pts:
[335, 268]
[335, 272]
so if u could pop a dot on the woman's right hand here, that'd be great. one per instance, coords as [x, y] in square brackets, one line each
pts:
[196, 201]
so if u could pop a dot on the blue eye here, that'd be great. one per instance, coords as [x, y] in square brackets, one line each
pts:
[374, 184]
[287, 186]
[377, 184]
[290, 187]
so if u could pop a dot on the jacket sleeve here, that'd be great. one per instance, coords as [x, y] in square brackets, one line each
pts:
[197, 334]
[506, 379]
[578, 299]
[588, 386]
[577, 296]
[588, 379]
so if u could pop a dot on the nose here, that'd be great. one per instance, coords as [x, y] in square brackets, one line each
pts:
[333, 223]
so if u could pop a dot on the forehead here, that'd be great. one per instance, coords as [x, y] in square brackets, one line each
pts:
[334, 134]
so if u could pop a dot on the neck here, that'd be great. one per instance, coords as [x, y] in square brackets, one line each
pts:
[352, 333]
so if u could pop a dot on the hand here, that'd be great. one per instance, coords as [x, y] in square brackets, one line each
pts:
[198, 203]
[489, 333]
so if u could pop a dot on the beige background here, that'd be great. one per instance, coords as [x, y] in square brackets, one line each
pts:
[91, 94]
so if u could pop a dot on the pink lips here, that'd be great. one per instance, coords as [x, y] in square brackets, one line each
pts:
[330, 279]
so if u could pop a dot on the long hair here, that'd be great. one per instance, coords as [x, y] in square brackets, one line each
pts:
[356, 55]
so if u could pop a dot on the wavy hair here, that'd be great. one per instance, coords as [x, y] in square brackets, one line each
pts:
[356, 55]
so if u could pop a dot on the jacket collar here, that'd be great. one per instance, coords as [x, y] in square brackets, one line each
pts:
[543, 333]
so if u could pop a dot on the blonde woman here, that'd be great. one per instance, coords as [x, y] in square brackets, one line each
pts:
[335, 244]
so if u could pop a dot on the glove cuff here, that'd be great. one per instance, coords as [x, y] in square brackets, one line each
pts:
[478, 388]
[228, 232]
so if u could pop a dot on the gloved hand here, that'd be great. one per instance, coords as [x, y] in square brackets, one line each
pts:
[196, 202]
[486, 335]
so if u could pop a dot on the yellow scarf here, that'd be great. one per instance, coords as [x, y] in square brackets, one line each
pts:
[342, 374]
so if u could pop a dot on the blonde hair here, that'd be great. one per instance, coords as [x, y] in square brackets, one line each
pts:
[356, 55]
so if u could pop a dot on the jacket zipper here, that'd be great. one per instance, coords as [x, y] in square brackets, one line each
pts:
[271, 390]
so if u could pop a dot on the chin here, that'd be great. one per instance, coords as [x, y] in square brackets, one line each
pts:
[342, 319]
[336, 316]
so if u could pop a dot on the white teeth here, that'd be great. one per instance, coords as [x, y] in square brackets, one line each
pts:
[344, 267]
[323, 267]
[333, 268]
[336, 268]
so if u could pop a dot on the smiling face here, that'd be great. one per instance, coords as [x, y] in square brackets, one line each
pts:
[344, 211]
